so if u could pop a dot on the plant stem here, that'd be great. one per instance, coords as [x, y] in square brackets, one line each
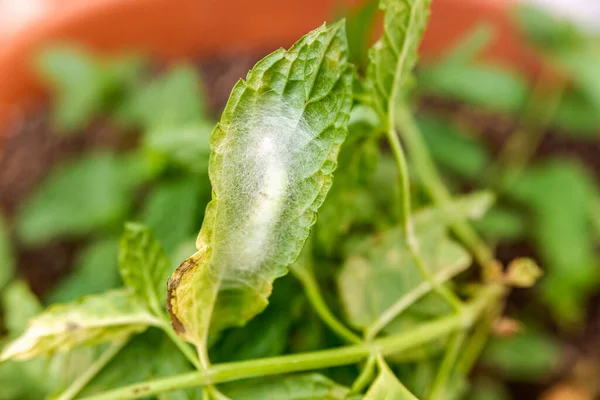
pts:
[434, 185]
[311, 288]
[82, 380]
[366, 375]
[407, 222]
[186, 350]
[452, 351]
[314, 360]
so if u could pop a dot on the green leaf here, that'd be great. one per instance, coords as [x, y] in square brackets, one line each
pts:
[144, 266]
[497, 88]
[393, 57]
[95, 271]
[359, 25]
[274, 323]
[185, 145]
[95, 319]
[7, 260]
[546, 31]
[293, 387]
[171, 100]
[19, 305]
[173, 210]
[83, 85]
[562, 232]
[379, 274]
[576, 116]
[502, 224]
[526, 356]
[452, 149]
[77, 80]
[388, 387]
[80, 197]
[273, 155]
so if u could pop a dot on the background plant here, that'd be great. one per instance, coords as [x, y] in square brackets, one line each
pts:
[373, 274]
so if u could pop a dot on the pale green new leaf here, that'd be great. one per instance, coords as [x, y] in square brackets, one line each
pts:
[379, 277]
[95, 319]
[273, 154]
[394, 56]
[144, 266]
[388, 387]
[293, 387]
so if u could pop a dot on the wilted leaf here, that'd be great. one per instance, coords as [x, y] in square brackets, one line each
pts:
[95, 319]
[393, 57]
[7, 262]
[95, 271]
[144, 266]
[273, 154]
[80, 197]
[388, 387]
[293, 387]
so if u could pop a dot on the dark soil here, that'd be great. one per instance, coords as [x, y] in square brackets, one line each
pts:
[31, 148]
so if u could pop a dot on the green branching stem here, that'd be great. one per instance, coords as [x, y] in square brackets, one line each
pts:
[366, 375]
[434, 185]
[407, 222]
[313, 293]
[219, 373]
[86, 377]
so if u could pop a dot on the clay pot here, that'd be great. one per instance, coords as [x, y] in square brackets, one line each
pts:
[204, 28]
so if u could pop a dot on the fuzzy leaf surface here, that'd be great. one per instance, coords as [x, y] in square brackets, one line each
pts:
[273, 154]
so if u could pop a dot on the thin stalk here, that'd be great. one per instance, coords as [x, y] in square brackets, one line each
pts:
[313, 293]
[434, 185]
[448, 362]
[314, 360]
[407, 222]
[185, 349]
[366, 375]
[86, 377]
